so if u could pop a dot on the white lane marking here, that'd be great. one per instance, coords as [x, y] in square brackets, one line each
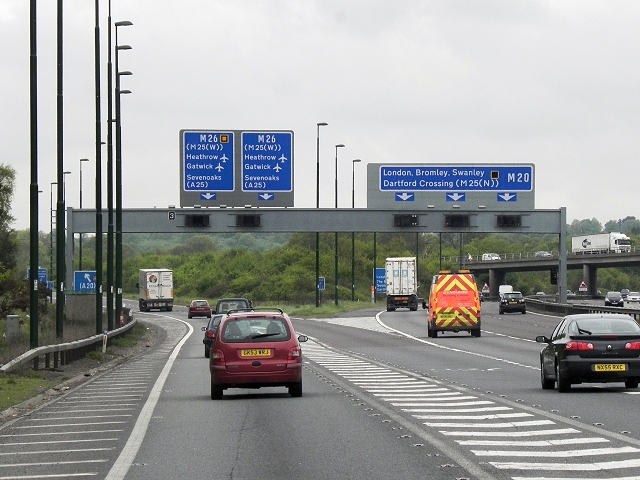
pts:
[451, 349]
[556, 454]
[130, 450]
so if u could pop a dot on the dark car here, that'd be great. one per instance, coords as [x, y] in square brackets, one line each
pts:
[210, 332]
[512, 302]
[256, 349]
[199, 308]
[613, 299]
[624, 292]
[591, 347]
[225, 305]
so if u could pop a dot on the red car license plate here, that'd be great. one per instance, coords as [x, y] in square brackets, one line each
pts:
[255, 352]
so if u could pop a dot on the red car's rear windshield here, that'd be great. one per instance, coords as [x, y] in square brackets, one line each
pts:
[255, 330]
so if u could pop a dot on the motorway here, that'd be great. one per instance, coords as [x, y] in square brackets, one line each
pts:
[381, 400]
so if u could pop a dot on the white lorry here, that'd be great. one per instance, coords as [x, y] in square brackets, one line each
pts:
[155, 289]
[613, 242]
[402, 283]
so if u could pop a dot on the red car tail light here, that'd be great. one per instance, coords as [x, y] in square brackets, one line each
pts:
[217, 356]
[632, 346]
[210, 334]
[573, 346]
[294, 353]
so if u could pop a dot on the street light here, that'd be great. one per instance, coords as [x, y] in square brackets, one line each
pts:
[80, 242]
[119, 92]
[340, 145]
[353, 234]
[318, 125]
[51, 231]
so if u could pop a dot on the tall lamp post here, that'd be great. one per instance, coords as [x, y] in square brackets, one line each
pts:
[119, 92]
[318, 125]
[80, 241]
[51, 231]
[353, 234]
[340, 145]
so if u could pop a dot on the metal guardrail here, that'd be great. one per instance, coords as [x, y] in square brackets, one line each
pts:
[64, 352]
[562, 309]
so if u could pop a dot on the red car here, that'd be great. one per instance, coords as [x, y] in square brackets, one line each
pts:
[199, 308]
[256, 349]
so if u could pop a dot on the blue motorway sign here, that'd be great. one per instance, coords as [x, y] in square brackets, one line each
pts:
[42, 275]
[267, 159]
[208, 162]
[321, 283]
[381, 280]
[438, 178]
[84, 281]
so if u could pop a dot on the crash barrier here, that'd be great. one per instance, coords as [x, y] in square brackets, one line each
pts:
[562, 309]
[65, 353]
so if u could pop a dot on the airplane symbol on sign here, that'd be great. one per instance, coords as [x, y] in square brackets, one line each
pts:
[277, 168]
[219, 168]
[283, 159]
[224, 158]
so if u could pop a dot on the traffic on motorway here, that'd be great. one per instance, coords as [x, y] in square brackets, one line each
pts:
[408, 405]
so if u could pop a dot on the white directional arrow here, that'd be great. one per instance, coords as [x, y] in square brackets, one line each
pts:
[507, 197]
[87, 277]
[207, 195]
[456, 196]
[224, 158]
[283, 159]
[219, 168]
[266, 196]
[277, 168]
[404, 196]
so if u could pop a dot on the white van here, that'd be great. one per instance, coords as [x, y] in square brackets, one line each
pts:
[490, 256]
[502, 289]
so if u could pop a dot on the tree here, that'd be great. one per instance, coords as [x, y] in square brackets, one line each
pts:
[8, 244]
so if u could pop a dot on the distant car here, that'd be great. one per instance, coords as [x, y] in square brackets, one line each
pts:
[210, 332]
[490, 256]
[225, 305]
[540, 293]
[255, 349]
[590, 347]
[613, 299]
[633, 297]
[624, 292]
[199, 308]
[542, 253]
[512, 302]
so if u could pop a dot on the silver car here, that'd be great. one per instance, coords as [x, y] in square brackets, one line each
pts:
[633, 297]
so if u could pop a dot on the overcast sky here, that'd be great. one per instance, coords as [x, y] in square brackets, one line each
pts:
[553, 83]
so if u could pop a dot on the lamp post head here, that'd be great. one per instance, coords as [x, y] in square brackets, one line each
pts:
[123, 23]
[356, 160]
[339, 145]
[322, 124]
[84, 159]
[126, 72]
[123, 47]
